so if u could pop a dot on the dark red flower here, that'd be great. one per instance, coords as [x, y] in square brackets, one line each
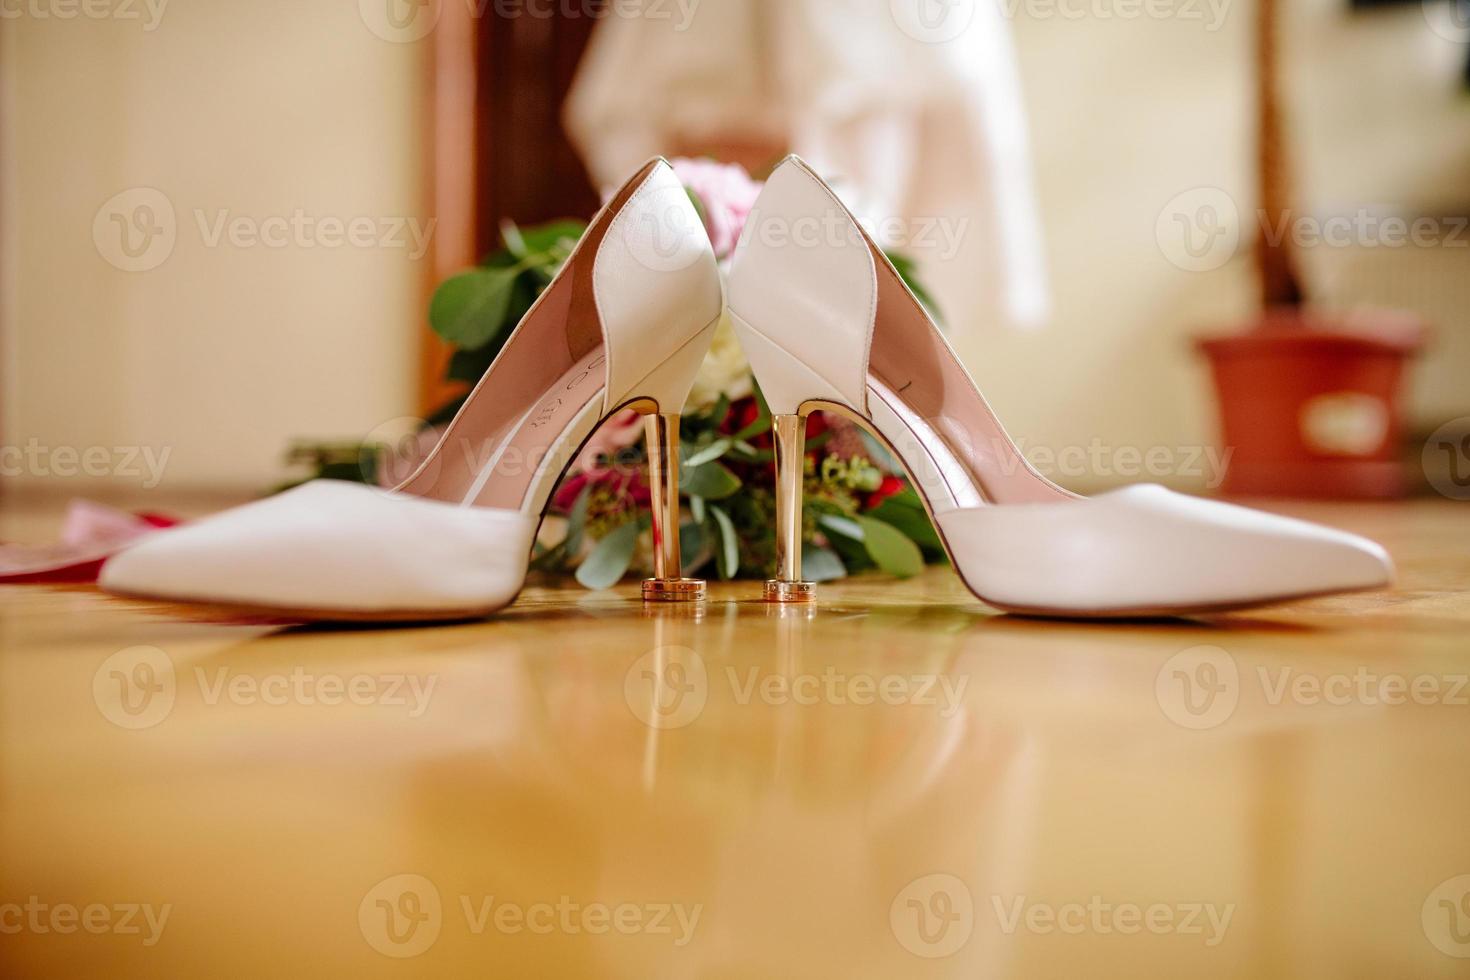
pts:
[636, 486]
[632, 484]
[743, 411]
[890, 486]
[570, 489]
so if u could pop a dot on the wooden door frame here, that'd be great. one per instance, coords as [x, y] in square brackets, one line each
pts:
[495, 149]
[449, 171]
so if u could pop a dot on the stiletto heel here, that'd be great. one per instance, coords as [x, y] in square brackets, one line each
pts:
[789, 436]
[667, 584]
[831, 325]
[625, 323]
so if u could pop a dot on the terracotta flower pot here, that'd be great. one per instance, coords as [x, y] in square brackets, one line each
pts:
[1310, 404]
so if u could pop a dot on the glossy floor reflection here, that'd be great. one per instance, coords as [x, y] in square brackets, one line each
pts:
[896, 783]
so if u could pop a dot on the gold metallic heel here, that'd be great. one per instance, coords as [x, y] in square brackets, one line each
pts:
[790, 439]
[662, 431]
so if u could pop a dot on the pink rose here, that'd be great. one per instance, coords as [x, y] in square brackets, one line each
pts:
[619, 432]
[725, 192]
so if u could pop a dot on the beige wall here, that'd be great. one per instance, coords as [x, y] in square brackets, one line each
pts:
[227, 348]
[222, 353]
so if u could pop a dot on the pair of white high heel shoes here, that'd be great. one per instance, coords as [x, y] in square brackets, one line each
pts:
[827, 325]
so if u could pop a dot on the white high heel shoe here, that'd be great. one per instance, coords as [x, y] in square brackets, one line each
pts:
[829, 325]
[625, 323]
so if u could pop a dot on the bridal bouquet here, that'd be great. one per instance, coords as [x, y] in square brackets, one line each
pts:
[860, 512]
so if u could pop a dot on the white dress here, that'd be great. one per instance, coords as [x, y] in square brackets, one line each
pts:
[912, 107]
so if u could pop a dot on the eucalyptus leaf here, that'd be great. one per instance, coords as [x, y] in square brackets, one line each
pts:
[696, 508]
[712, 481]
[693, 547]
[515, 243]
[890, 549]
[854, 554]
[845, 526]
[730, 550]
[879, 454]
[708, 454]
[755, 456]
[470, 309]
[820, 564]
[608, 561]
[577, 521]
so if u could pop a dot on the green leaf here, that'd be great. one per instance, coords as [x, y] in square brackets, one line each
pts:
[760, 424]
[762, 407]
[854, 554]
[708, 454]
[577, 521]
[820, 564]
[730, 552]
[720, 409]
[693, 549]
[364, 472]
[503, 259]
[515, 243]
[470, 309]
[698, 203]
[712, 481]
[908, 271]
[906, 497]
[608, 562]
[888, 547]
[904, 511]
[556, 557]
[469, 365]
[555, 235]
[696, 508]
[845, 526]
[879, 454]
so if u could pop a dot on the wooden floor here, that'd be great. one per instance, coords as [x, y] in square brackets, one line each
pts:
[897, 783]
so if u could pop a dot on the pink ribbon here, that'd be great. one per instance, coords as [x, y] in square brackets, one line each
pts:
[90, 534]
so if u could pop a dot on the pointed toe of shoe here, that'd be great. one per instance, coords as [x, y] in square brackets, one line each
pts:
[1146, 549]
[1356, 563]
[1268, 557]
[155, 567]
[328, 549]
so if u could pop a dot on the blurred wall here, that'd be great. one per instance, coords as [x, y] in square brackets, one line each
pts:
[225, 349]
[285, 137]
[1129, 112]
